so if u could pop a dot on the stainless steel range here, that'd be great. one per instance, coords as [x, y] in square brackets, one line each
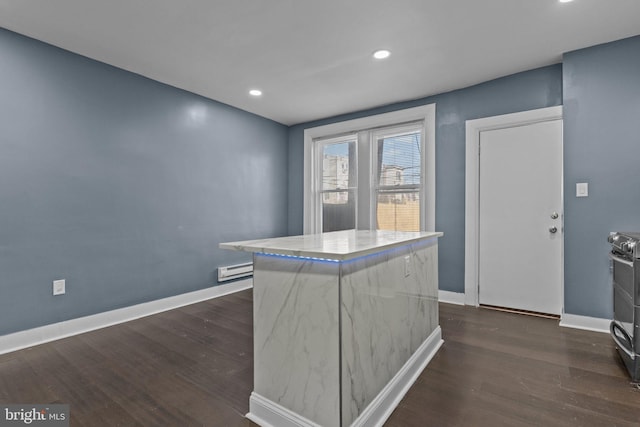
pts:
[625, 329]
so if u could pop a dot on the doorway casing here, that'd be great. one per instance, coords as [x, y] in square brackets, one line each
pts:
[472, 185]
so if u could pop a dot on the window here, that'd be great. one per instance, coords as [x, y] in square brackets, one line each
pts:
[399, 178]
[338, 187]
[372, 173]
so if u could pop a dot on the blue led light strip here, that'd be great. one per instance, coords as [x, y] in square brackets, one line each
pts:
[298, 257]
[335, 261]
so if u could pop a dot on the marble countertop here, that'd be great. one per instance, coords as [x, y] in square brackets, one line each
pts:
[337, 245]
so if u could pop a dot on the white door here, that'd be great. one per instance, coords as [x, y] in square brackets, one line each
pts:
[520, 217]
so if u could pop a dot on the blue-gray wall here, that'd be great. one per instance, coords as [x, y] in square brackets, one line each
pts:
[121, 185]
[602, 148]
[520, 92]
[125, 187]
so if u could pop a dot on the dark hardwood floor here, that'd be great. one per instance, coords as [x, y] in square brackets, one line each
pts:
[505, 369]
[192, 366]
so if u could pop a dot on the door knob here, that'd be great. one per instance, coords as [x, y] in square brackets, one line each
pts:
[553, 229]
[554, 215]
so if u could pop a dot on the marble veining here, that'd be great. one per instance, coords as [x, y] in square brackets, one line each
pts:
[330, 336]
[386, 316]
[296, 336]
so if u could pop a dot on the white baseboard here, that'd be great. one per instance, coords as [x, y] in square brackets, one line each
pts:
[451, 297]
[595, 324]
[67, 328]
[586, 323]
[267, 413]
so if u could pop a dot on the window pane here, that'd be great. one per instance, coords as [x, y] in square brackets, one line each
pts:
[399, 211]
[338, 166]
[398, 173]
[338, 190]
[399, 160]
[338, 211]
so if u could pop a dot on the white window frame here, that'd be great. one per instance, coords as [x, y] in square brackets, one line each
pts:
[426, 113]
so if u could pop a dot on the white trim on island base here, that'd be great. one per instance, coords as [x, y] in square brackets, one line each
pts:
[266, 413]
[380, 409]
[595, 324]
[67, 328]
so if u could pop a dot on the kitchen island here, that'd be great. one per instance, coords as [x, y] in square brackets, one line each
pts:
[344, 322]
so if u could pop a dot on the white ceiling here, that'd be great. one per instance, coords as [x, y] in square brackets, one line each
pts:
[312, 58]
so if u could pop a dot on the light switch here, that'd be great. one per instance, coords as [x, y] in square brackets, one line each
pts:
[59, 287]
[582, 189]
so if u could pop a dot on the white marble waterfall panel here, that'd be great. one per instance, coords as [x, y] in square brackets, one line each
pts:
[296, 336]
[386, 316]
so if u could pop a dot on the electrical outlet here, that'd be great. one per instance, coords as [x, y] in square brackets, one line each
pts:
[407, 266]
[59, 287]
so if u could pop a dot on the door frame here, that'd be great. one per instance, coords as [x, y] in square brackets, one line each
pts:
[472, 189]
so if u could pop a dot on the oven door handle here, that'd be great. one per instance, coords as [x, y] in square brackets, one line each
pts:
[616, 258]
[619, 334]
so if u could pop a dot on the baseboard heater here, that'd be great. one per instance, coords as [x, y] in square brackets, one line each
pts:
[235, 271]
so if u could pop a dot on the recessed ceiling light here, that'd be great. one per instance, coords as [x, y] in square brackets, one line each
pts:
[255, 92]
[565, 1]
[381, 54]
